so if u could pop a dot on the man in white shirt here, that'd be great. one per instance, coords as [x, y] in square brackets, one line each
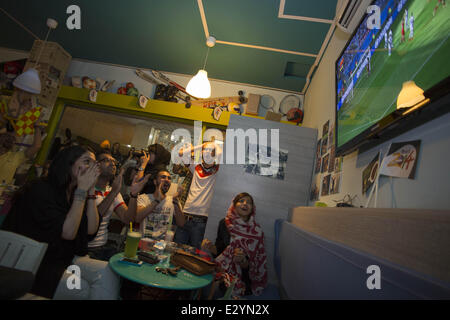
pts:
[199, 198]
[156, 211]
[109, 201]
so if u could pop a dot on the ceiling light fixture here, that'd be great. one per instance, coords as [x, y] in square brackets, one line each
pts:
[410, 95]
[199, 85]
[29, 80]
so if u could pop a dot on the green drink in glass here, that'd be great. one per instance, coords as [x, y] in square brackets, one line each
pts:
[132, 243]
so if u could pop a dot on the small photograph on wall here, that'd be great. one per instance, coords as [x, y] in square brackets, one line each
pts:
[325, 185]
[314, 193]
[338, 164]
[263, 165]
[324, 145]
[325, 163]
[335, 183]
[331, 161]
[401, 160]
[370, 173]
[318, 149]
[331, 138]
[318, 165]
[325, 129]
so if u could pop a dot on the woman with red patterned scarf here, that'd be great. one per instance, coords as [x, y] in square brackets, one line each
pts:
[244, 257]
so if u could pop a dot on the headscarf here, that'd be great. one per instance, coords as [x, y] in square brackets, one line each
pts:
[249, 237]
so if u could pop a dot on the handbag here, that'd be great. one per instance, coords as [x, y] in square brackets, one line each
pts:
[192, 263]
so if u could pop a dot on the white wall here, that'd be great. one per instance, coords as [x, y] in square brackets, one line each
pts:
[431, 186]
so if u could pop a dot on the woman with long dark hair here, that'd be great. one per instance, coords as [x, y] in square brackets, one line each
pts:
[239, 247]
[60, 210]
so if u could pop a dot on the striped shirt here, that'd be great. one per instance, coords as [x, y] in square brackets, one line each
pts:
[102, 234]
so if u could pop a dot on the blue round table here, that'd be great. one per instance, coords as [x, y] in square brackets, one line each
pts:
[147, 275]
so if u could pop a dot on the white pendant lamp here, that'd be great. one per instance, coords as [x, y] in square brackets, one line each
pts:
[29, 80]
[199, 85]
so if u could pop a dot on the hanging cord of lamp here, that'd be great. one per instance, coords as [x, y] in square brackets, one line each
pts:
[51, 24]
[199, 85]
[29, 80]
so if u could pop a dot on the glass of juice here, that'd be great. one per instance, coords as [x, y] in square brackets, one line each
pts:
[132, 243]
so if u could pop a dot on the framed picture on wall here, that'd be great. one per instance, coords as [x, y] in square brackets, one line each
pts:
[369, 173]
[401, 160]
[338, 164]
[325, 163]
[314, 192]
[325, 185]
[331, 138]
[318, 149]
[331, 161]
[335, 183]
[318, 165]
[324, 145]
[325, 128]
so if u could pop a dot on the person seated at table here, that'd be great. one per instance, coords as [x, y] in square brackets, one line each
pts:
[110, 200]
[155, 211]
[239, 247]
[60, 210]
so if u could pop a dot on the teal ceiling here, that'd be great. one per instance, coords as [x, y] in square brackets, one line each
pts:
[168, 35]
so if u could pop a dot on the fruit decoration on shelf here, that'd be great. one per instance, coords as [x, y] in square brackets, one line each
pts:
[89, 83]
[76, 82]
[122, 90]
[133, 92]
[129, 85]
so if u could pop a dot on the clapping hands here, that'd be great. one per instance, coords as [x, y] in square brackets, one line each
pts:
[138, 184]
[88, 178]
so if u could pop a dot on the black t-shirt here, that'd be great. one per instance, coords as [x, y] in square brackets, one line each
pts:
[38, 212]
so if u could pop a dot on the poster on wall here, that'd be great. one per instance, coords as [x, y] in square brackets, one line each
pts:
[331, 138]
[338, 164]
[325, 185]
[314, 193]
[401, 160]
[331, 161]
[370, 173]
[324, 145]
[318, 149]
[325, 129]
[335, 183]
[318, 165]
[258, 162]
[325, 163]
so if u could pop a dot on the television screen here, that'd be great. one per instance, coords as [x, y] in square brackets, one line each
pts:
[411, 43]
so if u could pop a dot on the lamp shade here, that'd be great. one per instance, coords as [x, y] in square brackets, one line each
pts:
[199, 85]
[28, 81]
[410, 95]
